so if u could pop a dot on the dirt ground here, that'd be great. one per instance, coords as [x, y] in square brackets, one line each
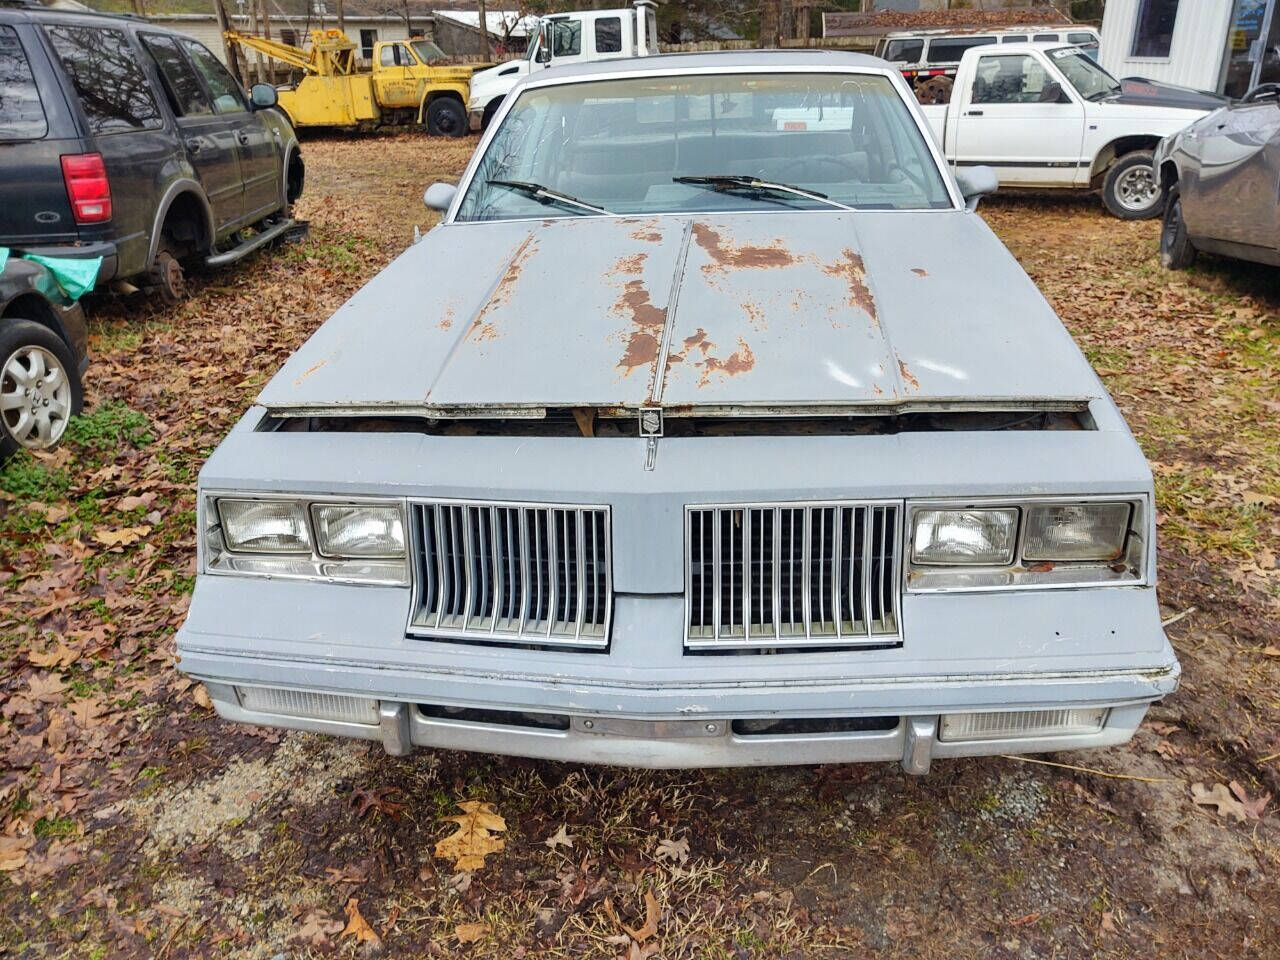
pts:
[136, 824]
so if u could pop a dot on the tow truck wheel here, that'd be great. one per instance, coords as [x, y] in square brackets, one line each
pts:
[446, 118]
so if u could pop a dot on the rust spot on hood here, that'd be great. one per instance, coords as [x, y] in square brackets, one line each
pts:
[852, 270]
[309, 371]
[647, 232]
[502, 293]
[741, 360]
[727, 256]
[644, 338]
[908, 377]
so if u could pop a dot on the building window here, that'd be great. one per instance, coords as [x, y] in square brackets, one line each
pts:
[1153, 31]
[367, 39]
[289, 36]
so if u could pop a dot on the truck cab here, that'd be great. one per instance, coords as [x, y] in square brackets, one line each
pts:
[581, 36]
[1045, 115]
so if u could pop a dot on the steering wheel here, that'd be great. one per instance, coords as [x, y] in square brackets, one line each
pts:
[1263, 91]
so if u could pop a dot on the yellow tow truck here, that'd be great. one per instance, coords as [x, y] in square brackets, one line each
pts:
[407, 83]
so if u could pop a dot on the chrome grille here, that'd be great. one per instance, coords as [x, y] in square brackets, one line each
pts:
[512, 573]
[805, 574]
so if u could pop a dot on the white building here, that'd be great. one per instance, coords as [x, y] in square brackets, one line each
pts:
[1227, 46]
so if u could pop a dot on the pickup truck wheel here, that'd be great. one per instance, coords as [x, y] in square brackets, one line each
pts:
[39, 387]
[1130, 189]
[167, 278]
[1176, 251]
[446, 117]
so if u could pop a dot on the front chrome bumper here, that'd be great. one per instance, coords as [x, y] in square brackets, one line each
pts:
[705, 741]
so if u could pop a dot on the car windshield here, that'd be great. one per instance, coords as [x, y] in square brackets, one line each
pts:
[756, 141]
[1089, 79]
[427, 51]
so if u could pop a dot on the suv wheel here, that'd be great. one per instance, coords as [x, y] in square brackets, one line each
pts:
[167, 278]
[1176, 251]
[39, 387]
[446, 118]
[1130, 189]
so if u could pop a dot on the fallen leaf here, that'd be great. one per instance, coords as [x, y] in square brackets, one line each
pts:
[59, 656]
[1108, 922]
[125, 504]
[56, 514]
[46, 686]
[474, 839]
[650, 918]
[122, 537]
[560, 838]
[1271, 651]
[1219, 798]
[13, 851]
[200, 696]
[55, 734]
[317, 928]
[357, 926]
[1252, 808]
[470, 932]
[673, 849]
[366, 800]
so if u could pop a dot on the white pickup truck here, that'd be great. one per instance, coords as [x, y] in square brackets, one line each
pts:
[1045, 115]
[580, 36]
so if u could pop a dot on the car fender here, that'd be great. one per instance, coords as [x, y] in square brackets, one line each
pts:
[179, 186]
[58, 312]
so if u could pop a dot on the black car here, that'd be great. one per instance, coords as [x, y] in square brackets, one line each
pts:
[1220, 179]
[123, 140]
[42, 357]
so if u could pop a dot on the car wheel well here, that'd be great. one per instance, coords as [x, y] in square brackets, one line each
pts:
[1168, 174]
[1118, 148]
[186, 229]
[30, 306]
[445, 94]
[295, 176]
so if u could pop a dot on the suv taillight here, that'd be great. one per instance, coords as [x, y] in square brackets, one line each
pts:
[87, 187]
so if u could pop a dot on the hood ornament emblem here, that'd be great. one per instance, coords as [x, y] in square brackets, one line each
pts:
[651, 430]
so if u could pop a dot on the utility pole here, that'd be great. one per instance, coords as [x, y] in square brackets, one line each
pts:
[484, 31]
[342, 18]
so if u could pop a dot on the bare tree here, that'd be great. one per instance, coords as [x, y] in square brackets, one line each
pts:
[484, 30]
[770, 20]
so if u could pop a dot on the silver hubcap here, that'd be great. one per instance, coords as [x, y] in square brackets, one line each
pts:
[35, 397]
[1136, 189]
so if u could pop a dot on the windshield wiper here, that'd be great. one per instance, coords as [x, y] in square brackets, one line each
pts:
[726, 181]
[545, 195]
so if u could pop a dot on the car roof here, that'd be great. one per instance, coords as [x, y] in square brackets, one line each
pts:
[38, 13]
[733, 59]
[935, 33]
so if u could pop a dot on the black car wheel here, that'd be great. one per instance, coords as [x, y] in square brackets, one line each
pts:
[1130, 189]
[1176, 251]
[446, 117]
[167, 278]
[39, 387]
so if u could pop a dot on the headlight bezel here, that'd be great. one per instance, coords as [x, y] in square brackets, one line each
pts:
[216, 558]
[1130, 568]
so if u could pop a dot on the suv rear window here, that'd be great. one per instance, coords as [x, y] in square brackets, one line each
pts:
[21, 113]
[108, 79]
[952, 49]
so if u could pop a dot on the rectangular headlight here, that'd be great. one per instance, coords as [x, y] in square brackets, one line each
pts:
[358, 530]
[947, 537]
[1078, 531]
[264, 526]
[1021, 724]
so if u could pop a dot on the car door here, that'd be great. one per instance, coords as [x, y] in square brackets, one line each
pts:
[1238, 177]
[210, 139]
[256, 140]
[1010, 120]
[396, 78]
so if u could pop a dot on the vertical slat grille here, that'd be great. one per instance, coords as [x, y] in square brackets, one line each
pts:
[513, 573]
[792, 574]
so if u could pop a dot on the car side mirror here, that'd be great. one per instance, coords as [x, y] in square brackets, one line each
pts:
[438, 196]
[975, 183]
[263, 95]
[544, 55]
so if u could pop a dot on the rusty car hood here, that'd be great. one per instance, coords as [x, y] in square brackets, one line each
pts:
[780, 312]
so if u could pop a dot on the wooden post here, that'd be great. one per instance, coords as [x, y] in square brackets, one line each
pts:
[769, 16]
[484, 31]
[264, 20]
[229, 50]
[342, 18]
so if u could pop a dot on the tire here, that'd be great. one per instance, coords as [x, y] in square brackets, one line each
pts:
[39, 387]
[446, 117]
[166, 278]
[1176, 251]
[1130, 190]
[487, 117]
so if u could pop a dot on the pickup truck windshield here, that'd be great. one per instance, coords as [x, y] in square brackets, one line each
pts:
[427, 51]
[1089, 79]
[623, 146]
